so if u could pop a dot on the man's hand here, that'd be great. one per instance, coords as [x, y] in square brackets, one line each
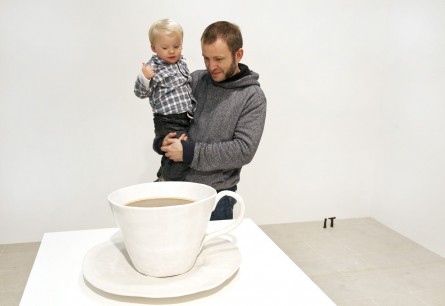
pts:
[172, 146]
[148, 71]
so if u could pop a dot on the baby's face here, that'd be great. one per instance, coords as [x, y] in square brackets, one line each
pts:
[168, 47]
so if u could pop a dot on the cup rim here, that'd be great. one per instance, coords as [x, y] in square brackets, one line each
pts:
[160, 207]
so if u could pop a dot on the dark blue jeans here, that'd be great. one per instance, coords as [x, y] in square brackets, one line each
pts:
[224, 209]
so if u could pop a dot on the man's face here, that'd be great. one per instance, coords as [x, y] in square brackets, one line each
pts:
[219, 60]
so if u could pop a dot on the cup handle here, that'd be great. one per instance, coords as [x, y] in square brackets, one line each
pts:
[235, 223]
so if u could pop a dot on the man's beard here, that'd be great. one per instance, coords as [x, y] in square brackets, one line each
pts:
[231, 70]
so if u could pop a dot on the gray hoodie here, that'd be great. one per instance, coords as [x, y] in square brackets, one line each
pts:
[227, 128]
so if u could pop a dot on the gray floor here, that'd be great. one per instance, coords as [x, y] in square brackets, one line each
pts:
[15, 264]
[362, 262]
[356, 262]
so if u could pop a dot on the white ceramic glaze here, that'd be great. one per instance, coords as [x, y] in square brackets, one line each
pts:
[166, 241]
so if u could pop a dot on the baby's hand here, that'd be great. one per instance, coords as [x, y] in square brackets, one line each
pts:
[148, 71]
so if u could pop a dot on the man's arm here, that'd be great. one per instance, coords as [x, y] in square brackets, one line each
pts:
[228, 154]
[237, 152]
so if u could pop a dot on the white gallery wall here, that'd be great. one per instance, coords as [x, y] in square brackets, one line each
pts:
[354, 126]
[410, 178]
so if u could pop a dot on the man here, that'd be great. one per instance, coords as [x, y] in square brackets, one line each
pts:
[229, 118]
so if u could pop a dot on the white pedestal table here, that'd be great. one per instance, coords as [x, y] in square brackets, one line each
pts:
[266, 275]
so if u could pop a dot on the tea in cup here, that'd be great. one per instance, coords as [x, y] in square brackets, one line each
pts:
[164, 224]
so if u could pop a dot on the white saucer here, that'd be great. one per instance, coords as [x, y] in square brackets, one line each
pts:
[108, 267]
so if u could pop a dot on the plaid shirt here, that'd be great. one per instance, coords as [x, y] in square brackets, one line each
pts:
[169, 91]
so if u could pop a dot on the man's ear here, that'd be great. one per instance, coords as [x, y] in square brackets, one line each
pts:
[239, 55]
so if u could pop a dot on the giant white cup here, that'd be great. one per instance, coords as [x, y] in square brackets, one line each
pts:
[166, 241]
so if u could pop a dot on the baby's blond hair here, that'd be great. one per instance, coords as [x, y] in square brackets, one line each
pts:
[164, 26]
